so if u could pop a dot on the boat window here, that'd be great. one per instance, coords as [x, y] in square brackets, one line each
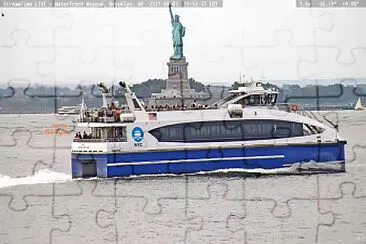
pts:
[244, 101]
[251, 100]
[272, 98]
[116, 134]
[257, 99]
[230, 97]
[264, 99]
[219, 131]
[311, 129]
[97, 133]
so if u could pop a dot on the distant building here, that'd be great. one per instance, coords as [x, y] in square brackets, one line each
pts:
[178, 90]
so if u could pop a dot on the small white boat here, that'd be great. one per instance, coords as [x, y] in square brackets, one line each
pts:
[359, 105]
[69, 110]
[73, 109]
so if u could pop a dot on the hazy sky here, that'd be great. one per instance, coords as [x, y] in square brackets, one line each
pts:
[264, 39]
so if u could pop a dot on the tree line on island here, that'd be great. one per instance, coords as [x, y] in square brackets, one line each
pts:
[47, 99]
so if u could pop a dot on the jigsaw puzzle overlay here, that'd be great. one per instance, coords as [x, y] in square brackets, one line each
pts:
[83, 46]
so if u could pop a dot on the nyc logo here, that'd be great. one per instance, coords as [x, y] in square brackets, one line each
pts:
[138, 136]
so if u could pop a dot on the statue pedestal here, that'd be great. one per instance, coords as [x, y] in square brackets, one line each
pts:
[177, 91]
[177, 74]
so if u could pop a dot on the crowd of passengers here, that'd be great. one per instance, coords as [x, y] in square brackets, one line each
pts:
[193, 106]
[78, 136]
[113, 110]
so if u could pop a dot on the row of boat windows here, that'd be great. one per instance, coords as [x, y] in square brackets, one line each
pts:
[218, 131]
[215, 131]
[254, 99]
[111, 134]
[258, 99]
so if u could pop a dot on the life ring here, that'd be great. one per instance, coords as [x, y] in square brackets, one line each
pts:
[294, 107]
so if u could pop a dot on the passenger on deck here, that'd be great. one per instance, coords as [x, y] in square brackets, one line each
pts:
[117, 112]
[109, 113]
[85, 136]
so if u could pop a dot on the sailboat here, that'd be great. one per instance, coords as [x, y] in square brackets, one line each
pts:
[359, 105]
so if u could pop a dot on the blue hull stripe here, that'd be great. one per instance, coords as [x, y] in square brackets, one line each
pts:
[196, 160]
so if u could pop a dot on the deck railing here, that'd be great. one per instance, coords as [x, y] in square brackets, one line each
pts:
[89, 140]
[123, 139]
[288, 107]
[104, 119]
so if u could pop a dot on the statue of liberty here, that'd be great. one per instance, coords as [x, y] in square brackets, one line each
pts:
[178, 33]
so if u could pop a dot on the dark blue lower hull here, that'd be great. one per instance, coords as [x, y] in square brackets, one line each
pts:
[209, 159]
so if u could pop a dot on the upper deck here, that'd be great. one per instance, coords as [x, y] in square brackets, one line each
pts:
[111, 112]
[252, 96]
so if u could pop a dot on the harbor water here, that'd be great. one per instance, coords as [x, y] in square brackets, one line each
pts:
[40, 203]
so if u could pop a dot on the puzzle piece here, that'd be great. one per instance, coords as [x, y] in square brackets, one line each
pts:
[341, 28]
[23, 161]
[283, 53]
[137, 223]
[26, 100]
[48, 138]
[151, 193]
[277, 189]
[40, 25]
[8, 93]
[82, 201]
[316, 92]
[301, 226]
[135, 226]
[90, 30]
[326, 66]
[66, 65]
[32, 219]
[19, 67]
[217, 210]
[349, 224]
[301, 23]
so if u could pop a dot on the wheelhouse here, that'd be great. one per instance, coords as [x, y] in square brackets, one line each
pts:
[252, 95]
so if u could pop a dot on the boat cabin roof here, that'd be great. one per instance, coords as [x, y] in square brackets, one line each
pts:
[253, 89]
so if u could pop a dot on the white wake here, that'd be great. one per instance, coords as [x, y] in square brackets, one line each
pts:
[40, 177]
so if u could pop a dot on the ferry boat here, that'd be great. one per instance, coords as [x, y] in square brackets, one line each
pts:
[246, 132]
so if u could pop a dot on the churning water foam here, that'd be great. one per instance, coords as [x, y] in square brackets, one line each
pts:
[40, 177]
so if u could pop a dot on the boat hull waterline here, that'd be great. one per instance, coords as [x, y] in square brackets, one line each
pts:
[186, 161]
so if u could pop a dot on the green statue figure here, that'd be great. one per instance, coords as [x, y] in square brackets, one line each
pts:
[178, 33]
